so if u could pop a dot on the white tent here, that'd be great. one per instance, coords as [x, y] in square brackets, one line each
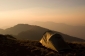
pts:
[54, 41]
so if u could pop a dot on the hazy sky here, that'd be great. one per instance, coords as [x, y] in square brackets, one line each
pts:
[59, 11]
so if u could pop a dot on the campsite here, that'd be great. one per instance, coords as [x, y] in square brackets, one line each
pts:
[38, 41]
[51, 44]
[54, 41]
[42, 27]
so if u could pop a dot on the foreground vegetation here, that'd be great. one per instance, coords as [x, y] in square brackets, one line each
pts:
[10, 46]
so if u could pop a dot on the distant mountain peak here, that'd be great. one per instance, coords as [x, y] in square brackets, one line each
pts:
[22, 25]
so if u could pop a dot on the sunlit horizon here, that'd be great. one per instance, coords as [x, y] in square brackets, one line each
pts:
[24, 11]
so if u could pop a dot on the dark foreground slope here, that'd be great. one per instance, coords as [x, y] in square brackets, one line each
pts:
[9, 46]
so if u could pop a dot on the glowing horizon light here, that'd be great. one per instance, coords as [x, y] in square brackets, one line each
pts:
[70, 12]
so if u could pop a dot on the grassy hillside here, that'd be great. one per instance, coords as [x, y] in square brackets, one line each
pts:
[10, 46]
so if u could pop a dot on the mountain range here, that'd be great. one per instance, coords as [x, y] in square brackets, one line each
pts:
[33, 32]
[76, 31]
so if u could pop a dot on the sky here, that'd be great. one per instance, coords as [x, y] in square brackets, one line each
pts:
[24, 11]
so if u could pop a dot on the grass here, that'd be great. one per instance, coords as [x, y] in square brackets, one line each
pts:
[14, 47]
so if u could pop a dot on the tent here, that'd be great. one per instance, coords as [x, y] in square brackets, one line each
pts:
[54, 41]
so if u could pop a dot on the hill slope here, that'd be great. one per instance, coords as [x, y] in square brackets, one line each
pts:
[32, 32]
[77, 31]
[1, 31]
[17, 29]
[13, 47]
